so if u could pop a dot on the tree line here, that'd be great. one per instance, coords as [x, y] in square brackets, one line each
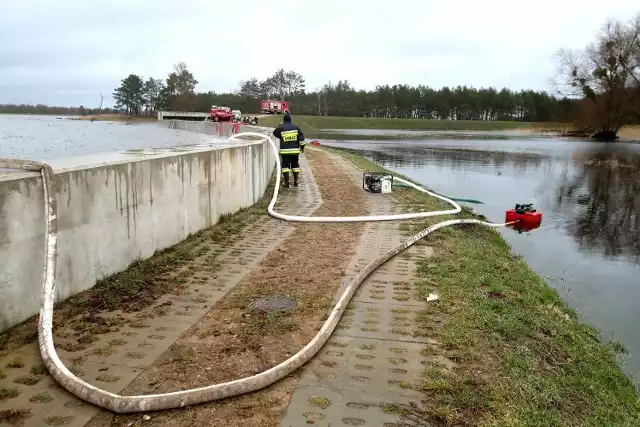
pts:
[424, 102]
[136, 95]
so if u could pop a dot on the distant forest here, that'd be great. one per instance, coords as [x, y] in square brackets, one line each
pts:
[139, 96]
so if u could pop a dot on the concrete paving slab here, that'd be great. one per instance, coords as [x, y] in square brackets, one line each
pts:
[373, 360]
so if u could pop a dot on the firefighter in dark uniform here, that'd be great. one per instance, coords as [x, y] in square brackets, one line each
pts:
[291, 144]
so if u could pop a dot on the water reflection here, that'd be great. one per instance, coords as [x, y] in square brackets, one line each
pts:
[457, 159]
[604, 195]
[594, 195]
[443, 133]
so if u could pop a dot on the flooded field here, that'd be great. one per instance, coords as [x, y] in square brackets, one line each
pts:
[47, 137]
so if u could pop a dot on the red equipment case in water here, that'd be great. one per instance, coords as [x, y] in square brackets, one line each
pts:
[527, 217]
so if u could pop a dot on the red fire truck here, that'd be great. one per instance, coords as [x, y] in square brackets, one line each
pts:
[220, 114]
[270, 106]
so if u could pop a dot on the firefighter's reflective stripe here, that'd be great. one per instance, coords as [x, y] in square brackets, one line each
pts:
[296, 170]
[286, 170]
[286, 151]
[290, 136]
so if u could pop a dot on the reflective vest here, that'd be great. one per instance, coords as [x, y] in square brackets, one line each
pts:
[291, 138]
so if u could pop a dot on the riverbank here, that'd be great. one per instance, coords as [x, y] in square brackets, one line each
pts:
[315, 126]
[332, 122]
[630, 133]
[510, 351]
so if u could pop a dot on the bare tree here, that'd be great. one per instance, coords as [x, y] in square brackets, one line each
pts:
[629, 56]
[101, 95]
[606, 73]
[319, 102]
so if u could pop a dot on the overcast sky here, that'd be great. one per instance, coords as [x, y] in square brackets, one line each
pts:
[65, 52]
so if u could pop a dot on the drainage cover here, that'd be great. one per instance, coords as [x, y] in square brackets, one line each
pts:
[273, 302]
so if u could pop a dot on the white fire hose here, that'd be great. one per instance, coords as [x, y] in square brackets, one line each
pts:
[155, 402]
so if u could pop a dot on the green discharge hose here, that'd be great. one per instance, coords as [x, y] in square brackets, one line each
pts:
[457, 199]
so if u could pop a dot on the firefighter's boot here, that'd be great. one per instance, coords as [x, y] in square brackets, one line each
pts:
[285, 183]
[295, 178]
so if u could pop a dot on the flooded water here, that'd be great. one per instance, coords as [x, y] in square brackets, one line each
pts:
[47, 137]
[588, 247]
[442, 134]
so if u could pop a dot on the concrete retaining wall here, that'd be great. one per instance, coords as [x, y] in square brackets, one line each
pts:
[210, 128]
[116, 208]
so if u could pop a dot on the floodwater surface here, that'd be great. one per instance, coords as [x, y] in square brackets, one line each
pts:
[588, 247]
[453, 134]
[48, 137]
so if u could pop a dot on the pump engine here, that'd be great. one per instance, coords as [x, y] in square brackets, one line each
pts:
[377, 182]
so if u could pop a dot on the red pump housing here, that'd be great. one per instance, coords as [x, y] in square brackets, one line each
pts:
[526, 216]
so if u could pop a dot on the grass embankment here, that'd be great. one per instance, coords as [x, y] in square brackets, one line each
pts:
[330, 122]
[314, 125]
[510, 352]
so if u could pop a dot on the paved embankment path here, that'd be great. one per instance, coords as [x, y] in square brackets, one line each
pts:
[363, 376]
[368, 366]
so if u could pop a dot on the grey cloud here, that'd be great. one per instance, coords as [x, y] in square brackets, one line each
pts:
[46, 55]
[58, 94]
[66, 51]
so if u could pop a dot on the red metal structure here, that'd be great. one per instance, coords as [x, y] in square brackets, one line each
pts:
[270, 106]
[220, 114]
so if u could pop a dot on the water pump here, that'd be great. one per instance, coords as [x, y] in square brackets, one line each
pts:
[377, 182]
[526, 216]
